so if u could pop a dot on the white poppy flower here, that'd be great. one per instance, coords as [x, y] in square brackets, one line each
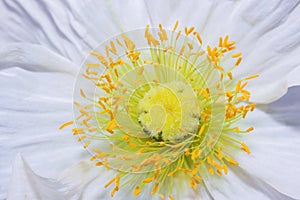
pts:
[44, 44]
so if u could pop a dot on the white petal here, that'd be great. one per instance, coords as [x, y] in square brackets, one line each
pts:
[286, 110]
[34, 58]
[268, 34]
[188, 13]
[33, 105]
[48, 23]
[275, 156]
[293, 78]
[26, 184]
[238, 183]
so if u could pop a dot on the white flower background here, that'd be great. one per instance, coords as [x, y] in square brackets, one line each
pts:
[43, 43]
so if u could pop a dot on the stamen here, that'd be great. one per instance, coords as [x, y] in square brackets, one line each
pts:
[65, 125]
[137, 191]
[171, 135]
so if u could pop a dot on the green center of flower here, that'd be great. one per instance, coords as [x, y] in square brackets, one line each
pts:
[167, 112]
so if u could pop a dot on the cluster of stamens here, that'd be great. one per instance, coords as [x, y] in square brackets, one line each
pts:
[135, 152]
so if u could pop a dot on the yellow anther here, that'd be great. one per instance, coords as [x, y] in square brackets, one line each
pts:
[65, 125]
[190, 46]
[171, 198]
[117, 181]
[196, 153]
[220, 42]
[154, 190]
[185, 170]
[116, 73]
[182, 50]
[219, 172]
[112, 193]
[193, 184]
[198, 37]
[211, 170]
[129, 43]
[219, 68]
[194, 171]
[175, 26]
[89, 65]
[113, 47]
[131, 144]
[239, 60]
[236, 55]
[109, 182]
[245, 148]
[238, 86]
[232, 162]
[243, 85]
[201, 130]
[118, 42]
[229, 74]
[81, 138]
[226, 40]
[110, 126]
[189, 31]
[178, 34]
[251, 77]
[250, 129]
[225, 168]
[100, 58]
[77, 131]
[99, 163]
[147, 180]
[86, 144]
[125, 137]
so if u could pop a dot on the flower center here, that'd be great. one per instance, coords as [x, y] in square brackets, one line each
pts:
[167, 112]
[164, 112]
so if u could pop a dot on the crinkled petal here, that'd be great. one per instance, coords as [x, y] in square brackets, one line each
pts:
[48, 23]
[275, 158]
[26, 184]
[35, 58]
[239, 184]
[35, 100]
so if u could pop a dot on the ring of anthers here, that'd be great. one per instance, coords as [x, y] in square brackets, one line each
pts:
[163, 113]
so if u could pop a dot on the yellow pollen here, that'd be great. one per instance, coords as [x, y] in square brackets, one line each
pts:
[175, 26]
[86, 144]
[236, 55]
[65, 125]
[114, 191]
[251, 77]
[178, 34]
[154, 190]
[148, 180]
[131, 144]
[232, 162]
[201, 130]
[137, 191]
[245, 148]
[109, 182]
[238, 61]
[250, 129]
[81, 138]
